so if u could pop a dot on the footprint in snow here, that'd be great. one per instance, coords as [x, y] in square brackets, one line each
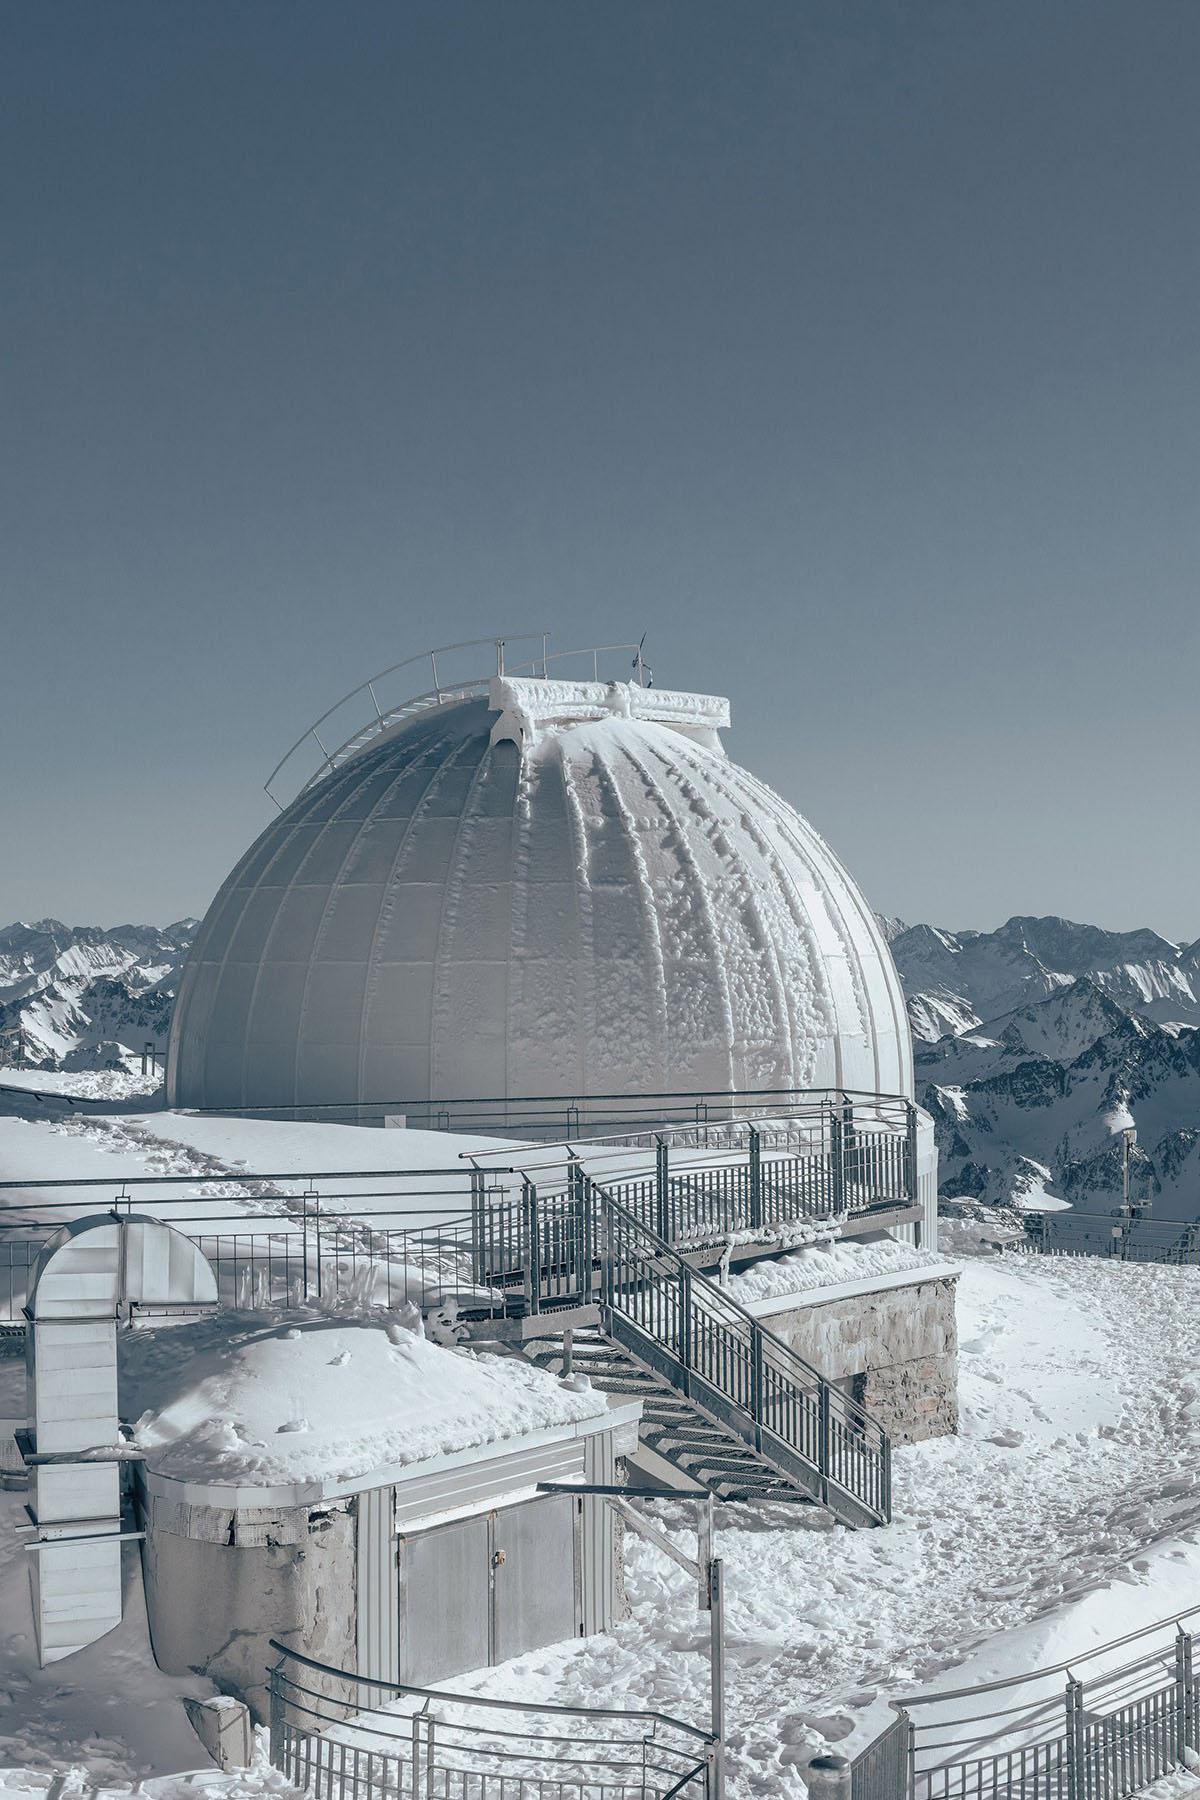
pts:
[1007, 1440]
[340, 1360]
[294, 1425]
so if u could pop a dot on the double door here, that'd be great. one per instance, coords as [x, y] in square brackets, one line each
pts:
[479, 1590]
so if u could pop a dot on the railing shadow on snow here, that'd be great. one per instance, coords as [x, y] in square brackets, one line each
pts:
[1047, 1734]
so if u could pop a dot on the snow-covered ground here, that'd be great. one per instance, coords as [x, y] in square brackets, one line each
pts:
[1079, 1448]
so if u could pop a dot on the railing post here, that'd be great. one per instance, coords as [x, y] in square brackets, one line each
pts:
[837, 1161]
[276, 1720]
[478, 1204]
[685, 1322]
[1076, 1784]
[531, 1246]
[756, 1209]
[1183, 1692]
[912, 1186]
[756, 1383]
[885, 1477]
[317, 1228]
[304, 1237]
[662, 1189]
[911, 1755]
[823, 1437]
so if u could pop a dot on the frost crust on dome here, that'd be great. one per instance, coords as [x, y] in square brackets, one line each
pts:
[591, 906]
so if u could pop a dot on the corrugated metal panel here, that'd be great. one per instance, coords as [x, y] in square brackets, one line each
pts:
[73, 1384]
[475, 1484]
[598, 1546]
[76, 1595]
[77, 1273]
[377, 1620]
[162, 1267]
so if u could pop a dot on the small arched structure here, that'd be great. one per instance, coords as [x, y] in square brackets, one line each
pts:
[92, 1274]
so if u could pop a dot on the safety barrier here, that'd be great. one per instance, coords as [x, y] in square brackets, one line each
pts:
[486, 1238]
[1047, 1734]
[340, 1736]
[1115, 1235]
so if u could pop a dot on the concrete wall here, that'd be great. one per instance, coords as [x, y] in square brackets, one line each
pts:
[217, 1595]
[900, 1343]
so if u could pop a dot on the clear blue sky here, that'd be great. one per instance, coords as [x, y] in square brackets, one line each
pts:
[850, 350]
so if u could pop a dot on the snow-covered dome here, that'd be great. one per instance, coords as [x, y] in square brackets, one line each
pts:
[553, 888]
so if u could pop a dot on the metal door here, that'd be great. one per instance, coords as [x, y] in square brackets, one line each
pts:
[535, 1575]
[444, 1611]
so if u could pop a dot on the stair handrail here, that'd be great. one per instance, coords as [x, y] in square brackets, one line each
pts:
[792, 1363]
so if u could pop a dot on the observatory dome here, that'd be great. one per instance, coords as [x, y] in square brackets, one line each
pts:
[551, 888]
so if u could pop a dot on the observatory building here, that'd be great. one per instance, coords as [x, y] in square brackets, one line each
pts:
[525, 886]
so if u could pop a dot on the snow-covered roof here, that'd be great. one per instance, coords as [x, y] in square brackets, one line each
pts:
[258, 1403]
[559, 888]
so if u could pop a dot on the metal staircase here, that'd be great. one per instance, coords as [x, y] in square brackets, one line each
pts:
[726, 1401]
[707, 1454]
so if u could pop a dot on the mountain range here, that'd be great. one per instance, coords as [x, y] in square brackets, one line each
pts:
[1035, 1043]
[1038, 1042]
[86, 996]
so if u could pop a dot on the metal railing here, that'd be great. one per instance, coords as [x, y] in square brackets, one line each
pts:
[707, 1119]
[490, 1240]
[713, 1351]
[342, 1736]
[1047, 1735]
[881, 1771]
[448, 686]
[1114, 1235]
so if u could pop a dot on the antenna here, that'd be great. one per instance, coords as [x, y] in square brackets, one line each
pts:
[645, 674]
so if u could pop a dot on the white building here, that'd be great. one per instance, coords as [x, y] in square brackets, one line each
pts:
[542, 888]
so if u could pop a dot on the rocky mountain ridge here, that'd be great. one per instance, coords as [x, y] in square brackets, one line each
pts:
[1036, 1043]
[87, 996]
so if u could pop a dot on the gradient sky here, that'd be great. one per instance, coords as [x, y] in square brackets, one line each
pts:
[849, 350]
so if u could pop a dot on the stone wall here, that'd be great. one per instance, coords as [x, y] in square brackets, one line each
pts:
[216, 1596]
[896, 1350]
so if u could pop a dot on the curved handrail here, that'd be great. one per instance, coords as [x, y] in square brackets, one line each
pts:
[489, 1700]
[406, 662]
[437, 694]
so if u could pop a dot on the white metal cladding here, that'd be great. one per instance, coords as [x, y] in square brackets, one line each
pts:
[589, 905]
[480, 1484]
[94, 1266]
[598, 1545]
[377, 1616]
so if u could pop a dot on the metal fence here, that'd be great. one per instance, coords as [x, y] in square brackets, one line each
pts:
[881, 1771]
[340, 1736]
[487, 1239]
[1047, 1735]
[1114, 1234]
